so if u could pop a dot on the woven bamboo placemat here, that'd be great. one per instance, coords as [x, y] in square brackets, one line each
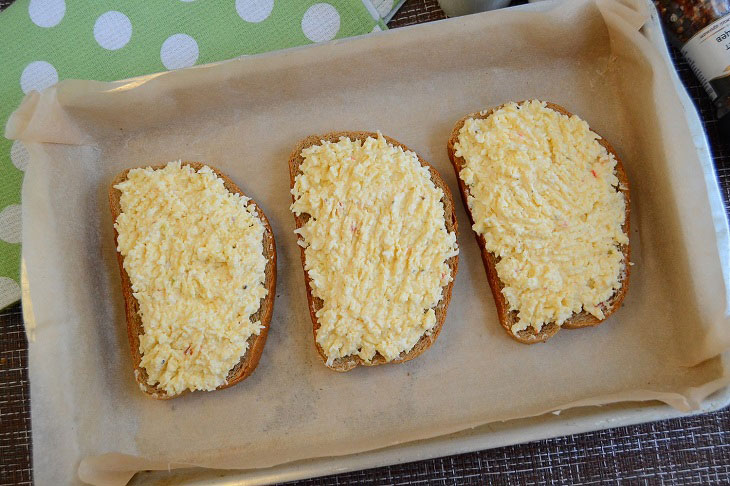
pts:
[691, 451]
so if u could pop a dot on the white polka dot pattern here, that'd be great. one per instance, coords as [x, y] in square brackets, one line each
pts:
[383, 6]
[10, 224]
[38, 75]
[46, 13]
[19, 155]
[254, 10]
[179, 51]
[9, 291]
[321, 22]
[112, 30]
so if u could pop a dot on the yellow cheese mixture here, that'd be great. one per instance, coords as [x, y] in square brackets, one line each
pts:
[544, 196]
[376, 246]
[194, 253]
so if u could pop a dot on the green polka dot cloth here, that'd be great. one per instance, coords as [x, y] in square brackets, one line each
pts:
[387, 8]
[42, 41]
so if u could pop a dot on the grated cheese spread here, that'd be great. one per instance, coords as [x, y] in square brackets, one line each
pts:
[194, 254]
[376, 246]
[544, 196]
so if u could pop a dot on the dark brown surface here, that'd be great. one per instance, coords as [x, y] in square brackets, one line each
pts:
[693, 450]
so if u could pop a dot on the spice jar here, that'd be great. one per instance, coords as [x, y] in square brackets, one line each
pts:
[701, 30]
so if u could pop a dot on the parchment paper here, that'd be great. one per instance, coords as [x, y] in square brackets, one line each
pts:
[244, 117]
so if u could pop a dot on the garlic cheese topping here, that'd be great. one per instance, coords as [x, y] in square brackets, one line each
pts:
[376, 246]
[544, 196]
[194, 254]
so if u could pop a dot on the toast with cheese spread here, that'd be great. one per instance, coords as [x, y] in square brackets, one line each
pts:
[198, 266]
[553, 226]
[377, 233]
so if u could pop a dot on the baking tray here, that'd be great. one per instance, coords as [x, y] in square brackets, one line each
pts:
[573, 421]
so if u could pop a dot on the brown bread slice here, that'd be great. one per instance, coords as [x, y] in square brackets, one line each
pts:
[349, 362]
[507, 318]
[135, 328]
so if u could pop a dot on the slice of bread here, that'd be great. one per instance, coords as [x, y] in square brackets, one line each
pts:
[135, 327]
[508, 318]
[349, 362]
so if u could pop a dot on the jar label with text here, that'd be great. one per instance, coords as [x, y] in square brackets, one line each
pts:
[708, 54]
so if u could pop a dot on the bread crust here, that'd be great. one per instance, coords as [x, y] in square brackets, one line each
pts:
[135, 328]
[507, 318]
[349, 362]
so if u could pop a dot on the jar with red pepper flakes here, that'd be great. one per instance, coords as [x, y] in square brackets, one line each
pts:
[701, 29]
